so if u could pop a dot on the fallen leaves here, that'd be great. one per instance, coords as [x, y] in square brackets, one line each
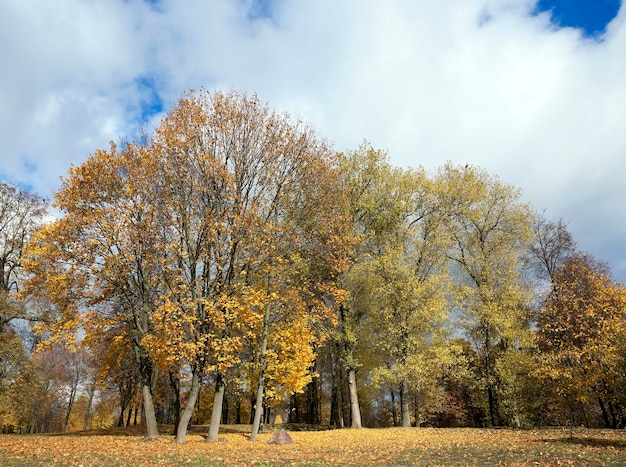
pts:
[395, 446]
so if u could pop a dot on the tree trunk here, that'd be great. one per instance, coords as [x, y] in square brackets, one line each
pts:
[190, 406]
[404, 404]
[613, 413]
[216, 413]
[175, 407]
[394, 408]
[152, 430]
[120, 419]
[238, 411]
[605, 415]
[355, 410]
[258, 407]
[346, 417]
[492, 406]
[336, 418]
[416, 411]
[313, 403]
[294, 411]
[128, 416]
[70, 404]
[92, 390]
[225, 408]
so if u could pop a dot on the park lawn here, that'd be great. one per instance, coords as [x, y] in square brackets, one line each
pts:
[391, 446]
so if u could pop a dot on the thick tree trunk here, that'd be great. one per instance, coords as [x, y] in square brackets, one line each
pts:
[216, 414]
[258, 406]
[404, 404]
[185, 418]
[144, 364]
[152, 430]
[355, 410]
[614, 416]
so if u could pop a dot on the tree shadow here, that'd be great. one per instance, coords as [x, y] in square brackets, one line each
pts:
[590, 442]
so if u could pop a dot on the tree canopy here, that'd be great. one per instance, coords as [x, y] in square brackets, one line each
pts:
[232, 267]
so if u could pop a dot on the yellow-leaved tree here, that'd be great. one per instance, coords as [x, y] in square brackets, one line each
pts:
[252, 222]
[97, 267]
[490, 229]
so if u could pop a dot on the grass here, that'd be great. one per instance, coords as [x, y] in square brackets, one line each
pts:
[393, 446]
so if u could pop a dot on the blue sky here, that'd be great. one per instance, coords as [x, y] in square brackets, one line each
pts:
[532, 90]
[591, 16]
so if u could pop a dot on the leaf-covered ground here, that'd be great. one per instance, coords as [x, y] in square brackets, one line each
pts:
[395, 446]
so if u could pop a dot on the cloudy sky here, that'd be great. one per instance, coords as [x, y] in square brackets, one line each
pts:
[533, 91]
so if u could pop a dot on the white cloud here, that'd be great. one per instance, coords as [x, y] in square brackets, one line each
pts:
[478, 81]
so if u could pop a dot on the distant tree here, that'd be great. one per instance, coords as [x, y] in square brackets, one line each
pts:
[551, 246]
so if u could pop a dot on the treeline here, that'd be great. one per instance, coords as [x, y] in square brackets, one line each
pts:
[233, 268]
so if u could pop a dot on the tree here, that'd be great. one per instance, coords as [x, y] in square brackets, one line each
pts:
[411, 285]
[370, 180]
[491, 230]
[21, 212]
[99, 264]
[551, 246]
[18, 381]
[244, 196]
[580, 327]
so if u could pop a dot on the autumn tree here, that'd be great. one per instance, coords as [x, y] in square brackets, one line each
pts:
[580, 327]
[410, 281]
[19, 382]
[552, 244]
[98, 264]
[369, 178]
[245, 197]
[491, 229]
[21, 212]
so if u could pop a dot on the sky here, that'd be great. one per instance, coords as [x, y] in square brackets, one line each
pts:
[533, 91]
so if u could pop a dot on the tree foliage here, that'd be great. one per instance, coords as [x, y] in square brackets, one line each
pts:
[232, 265]
[580, 328]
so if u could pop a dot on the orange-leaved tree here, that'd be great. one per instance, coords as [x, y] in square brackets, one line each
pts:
[99, 262]
[580, 327]
[246, 196]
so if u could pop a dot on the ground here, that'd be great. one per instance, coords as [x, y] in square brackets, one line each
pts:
[392, 446]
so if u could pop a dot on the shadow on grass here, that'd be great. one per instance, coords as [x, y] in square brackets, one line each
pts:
[590, 442]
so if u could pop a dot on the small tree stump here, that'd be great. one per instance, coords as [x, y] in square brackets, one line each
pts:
[280, 437]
